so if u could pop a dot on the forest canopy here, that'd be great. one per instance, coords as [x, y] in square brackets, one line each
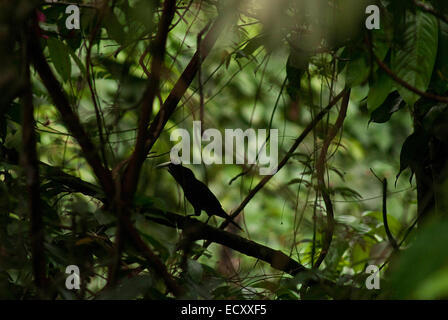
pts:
[311, 135]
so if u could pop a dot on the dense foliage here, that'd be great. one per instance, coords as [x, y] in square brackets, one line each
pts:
[86, 116]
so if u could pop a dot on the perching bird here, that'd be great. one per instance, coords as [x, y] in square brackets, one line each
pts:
[197, 193]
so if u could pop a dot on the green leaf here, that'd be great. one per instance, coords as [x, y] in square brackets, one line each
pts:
[163, 251]
[114, 29]
[357, 69]
[128, 288]
[425, 259]
[414, 150]
[394, 225]
[379, 90]
[142, 13]
[440, 76]
[78, 61]
[253, 44]
[60, 56]
[299, 181]
[414, 60]
[346, 192]
[435, 121]
[383, 113]
[381, 40]
[195, 270]
[360, 255]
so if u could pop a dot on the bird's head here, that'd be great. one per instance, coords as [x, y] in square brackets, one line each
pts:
[178, 171]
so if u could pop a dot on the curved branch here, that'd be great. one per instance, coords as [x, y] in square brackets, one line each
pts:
[282, 163]
[56, 174]
[183, 83]
[196, 230]
[320, 170]
[391, 238]
[400, 81]
[127, 188]
[288, 155]
[157, 50]
[71, 119]
[91, 80]
[153, 259]
[200, 231]
[275, 258]
[425, 7]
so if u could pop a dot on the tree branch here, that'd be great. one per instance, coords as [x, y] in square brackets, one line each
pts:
[183, 83]
[288, 155]
[400, 81]
[30, 164]
[155, 262]
[427, 8]
[131, 175]
[200, 231]
[56, 174]
[197, 230]
[391, 238]
[79, 185]
[70, 118]
[201, 93]
[91, 80]
[320, 170]
[275, 258]
[282, 163]
[129, 184]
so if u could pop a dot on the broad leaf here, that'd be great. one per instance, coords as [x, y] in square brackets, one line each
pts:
[60, 56]
[357, 69]
[439, 82]
[414, 150]
[383, 113]
[413, 61]
[379, 90]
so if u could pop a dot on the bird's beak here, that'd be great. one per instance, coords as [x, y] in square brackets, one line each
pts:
[163, 165]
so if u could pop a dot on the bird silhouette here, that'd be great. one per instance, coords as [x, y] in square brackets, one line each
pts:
[197, 193]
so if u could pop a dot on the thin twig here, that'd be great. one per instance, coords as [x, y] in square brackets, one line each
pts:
[90, 80]
[400, 81]
[386, 224]
[282, 163]
[288, 155]
[320, 169]
[197, 230]
[201, 93]
[182, 84]
[152, 258]
[131, 175]
[158, 47]
[142, 62]
[427, 8]
[70, 119]
[390, 237]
